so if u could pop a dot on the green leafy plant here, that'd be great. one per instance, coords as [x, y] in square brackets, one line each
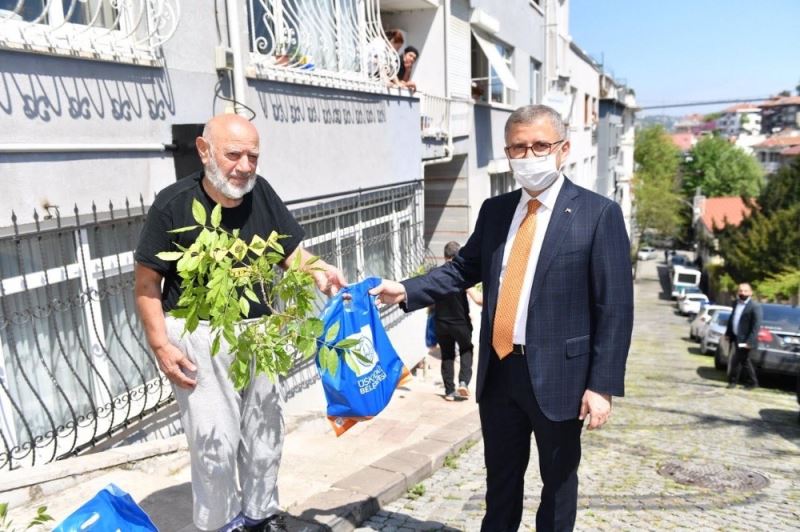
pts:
[6, 525]
[222, 276]
[416, 491]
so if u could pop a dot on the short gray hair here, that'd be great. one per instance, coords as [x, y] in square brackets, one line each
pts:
[531, 113]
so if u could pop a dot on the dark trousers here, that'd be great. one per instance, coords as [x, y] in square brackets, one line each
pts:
[449, 335]
[509, 414]
[739, 360]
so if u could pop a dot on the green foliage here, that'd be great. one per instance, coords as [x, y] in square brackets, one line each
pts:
[782, 189]
[762, 245]
[767, 244]
[6, 525]
[416, 491]
[221, 275]
[719, 168]
[657, 200]
[781, 286]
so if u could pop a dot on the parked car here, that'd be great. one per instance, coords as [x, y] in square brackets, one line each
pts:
[678, 260]
[714, 331]
[647, 253]
[692, 303]
[700, 323]
[778, 342]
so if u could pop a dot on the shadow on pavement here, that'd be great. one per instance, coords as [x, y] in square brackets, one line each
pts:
[710, 373]
[786, 422]
[170, 508]
[660, 501]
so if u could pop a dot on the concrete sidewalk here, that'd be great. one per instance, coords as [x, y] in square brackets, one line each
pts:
[325, 482]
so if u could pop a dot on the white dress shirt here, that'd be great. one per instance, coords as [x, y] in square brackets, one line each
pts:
[543, 215]
[737, 314]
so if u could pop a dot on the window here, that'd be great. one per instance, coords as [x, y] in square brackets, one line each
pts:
[535, 81]
[492, 61]
[338, 40]
[586, 113]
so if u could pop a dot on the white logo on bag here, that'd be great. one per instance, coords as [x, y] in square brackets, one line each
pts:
[366, 349]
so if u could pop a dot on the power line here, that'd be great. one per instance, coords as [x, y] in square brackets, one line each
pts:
[707, 102]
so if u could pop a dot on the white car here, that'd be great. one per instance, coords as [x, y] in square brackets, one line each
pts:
[716, 328]
[647, 253]
[700, 323]
[692, 304]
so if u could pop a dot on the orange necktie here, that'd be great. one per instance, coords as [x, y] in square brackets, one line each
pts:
[506, 313]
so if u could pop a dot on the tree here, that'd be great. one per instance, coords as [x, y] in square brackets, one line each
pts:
[719, 168]
[762, 246]
[656, 197]
[782, 190]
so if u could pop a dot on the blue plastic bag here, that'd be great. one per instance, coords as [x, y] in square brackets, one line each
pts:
[360, 387]
[112, 509]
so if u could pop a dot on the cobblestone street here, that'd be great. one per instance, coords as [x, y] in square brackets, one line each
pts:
[677, 417]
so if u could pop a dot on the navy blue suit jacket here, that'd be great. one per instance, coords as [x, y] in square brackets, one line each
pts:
[580, 315]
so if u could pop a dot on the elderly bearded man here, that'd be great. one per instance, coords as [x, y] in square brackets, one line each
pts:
[235, 439]
[554, 260]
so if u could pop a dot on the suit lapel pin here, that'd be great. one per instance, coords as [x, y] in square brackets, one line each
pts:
[568, 210]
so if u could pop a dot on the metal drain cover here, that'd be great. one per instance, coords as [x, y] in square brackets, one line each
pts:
[713, 476]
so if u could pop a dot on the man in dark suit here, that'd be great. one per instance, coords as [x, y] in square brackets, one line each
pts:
[742, 333]
[554, 260]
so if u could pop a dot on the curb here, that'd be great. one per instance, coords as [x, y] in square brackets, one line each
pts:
[356, 498]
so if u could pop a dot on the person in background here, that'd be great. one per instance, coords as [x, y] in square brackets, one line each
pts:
[453, 326]
[407, 61]
[742, 333]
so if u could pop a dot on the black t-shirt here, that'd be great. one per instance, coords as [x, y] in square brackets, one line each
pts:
[453, 309]
[260, 212]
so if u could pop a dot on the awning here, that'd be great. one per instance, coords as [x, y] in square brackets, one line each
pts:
[496, 60]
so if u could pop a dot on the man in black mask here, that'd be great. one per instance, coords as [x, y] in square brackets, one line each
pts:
[742, 332]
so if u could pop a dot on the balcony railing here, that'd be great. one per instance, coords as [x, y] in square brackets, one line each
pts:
[434, 116]
[115, 30]
[322, 42]
[74, 363]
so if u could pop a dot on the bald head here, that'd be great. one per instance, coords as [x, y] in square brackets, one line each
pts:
[229, 149]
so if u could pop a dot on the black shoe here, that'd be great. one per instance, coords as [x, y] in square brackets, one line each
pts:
[731, 385]
[274, 523]
[750, 386]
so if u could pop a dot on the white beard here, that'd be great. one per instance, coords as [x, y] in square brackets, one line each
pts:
[225, 187]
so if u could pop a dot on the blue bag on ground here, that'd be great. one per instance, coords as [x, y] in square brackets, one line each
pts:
[110, 510]
[360, 387]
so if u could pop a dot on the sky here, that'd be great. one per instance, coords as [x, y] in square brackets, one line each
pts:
[672, 51]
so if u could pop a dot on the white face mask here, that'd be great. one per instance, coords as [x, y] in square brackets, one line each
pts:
[535, 173]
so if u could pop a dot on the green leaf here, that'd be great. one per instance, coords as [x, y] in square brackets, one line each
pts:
[216, 216]
[347, 343]
[249, 294]
[351, 363]
[239, 249]
[330, 336]
[183, 229]
[258, 245]
[198, 212]
[333, 362]
[244, 306]
[361, 357]
[169, 255]
[215, 344]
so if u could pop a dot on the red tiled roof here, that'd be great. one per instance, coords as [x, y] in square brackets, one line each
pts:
[718, 211]
[738, 106]
[781, 100]
[684, 141]
[777, 142]
[791, 151]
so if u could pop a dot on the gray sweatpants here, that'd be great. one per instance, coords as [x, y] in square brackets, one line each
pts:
[235, 438]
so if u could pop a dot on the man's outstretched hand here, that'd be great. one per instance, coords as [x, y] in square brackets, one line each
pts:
[389, 292]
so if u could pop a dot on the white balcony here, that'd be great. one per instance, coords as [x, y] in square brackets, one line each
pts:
[127, 31]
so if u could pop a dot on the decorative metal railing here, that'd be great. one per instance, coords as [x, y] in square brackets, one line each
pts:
[75, 368]
[325, 42]
[117, 30]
